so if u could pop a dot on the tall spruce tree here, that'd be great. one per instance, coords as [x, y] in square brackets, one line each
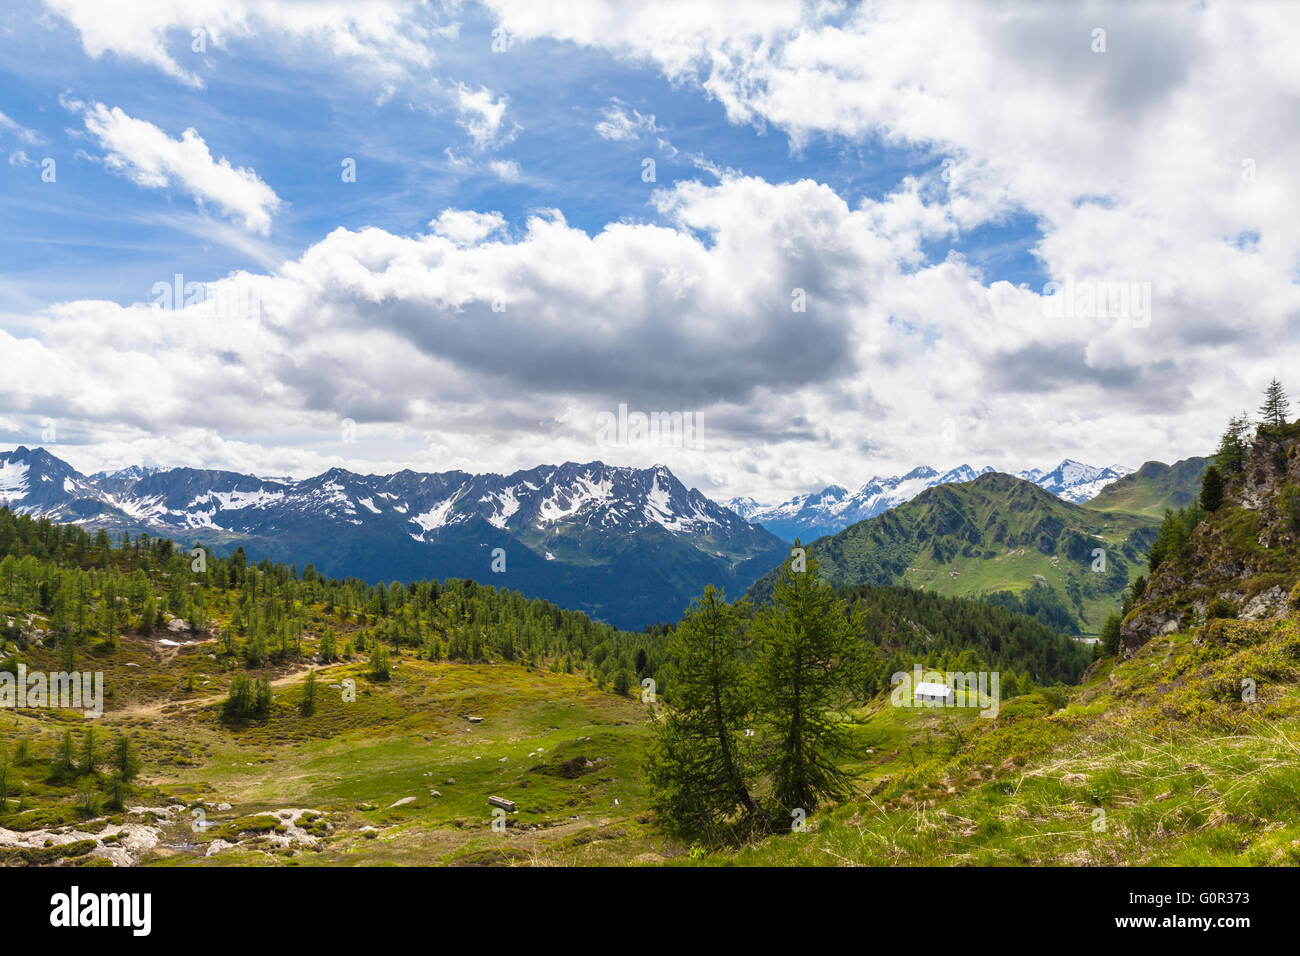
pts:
[308, 703]
[1211, 489]
[701, 762]
[1273, 413]
[65, 762]
[811, 651]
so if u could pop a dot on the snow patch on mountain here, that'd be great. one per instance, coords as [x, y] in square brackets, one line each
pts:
[435, 517]
[237, 500]
[506, 504]
[13, 480]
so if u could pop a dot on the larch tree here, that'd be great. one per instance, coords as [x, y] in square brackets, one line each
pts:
[701, 761]
[810, 656]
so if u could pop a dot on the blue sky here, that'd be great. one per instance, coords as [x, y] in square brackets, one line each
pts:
[294, 123]
[918, 173]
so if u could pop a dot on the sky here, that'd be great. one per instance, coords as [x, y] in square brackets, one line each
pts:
[838, 240]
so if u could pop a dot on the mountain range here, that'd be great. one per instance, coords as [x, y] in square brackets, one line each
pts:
[835, 508]
[629, 546]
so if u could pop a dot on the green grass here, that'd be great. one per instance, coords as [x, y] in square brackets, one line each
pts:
[353, 761]
[1148, 765]
[1153, 488]
[1017, 570]
[1155, 760]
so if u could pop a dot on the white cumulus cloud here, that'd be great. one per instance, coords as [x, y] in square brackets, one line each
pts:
[151, 158]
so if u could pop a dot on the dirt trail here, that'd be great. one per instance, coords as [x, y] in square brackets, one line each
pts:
[167, 708]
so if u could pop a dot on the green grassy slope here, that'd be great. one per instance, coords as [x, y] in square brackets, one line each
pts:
[1153, 488]
[1154, 761]
[1182, 750]
[997, 533]
[398, 775]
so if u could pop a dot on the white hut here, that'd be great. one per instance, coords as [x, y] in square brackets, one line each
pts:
[933, 693]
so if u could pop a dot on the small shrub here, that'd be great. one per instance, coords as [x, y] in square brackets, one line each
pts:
[1220, 608]
[88, 804]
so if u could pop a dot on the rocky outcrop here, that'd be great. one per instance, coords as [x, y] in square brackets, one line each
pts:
[1243, 559]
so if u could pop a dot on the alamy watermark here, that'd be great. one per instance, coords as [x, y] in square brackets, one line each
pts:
[1101, 301]
[61, 690]
[76, 909]
[664, 429]
[233, 297]
[974, 689]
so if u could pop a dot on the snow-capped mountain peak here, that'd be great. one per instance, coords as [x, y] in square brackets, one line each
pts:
[1074, 481]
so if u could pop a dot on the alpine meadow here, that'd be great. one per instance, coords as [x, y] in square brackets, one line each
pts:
[649, 438]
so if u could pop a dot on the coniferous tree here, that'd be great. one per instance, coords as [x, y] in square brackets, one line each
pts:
[255, 653]
[89, 759]
[1211, 489]
[701, 764]
[1174, 537]
[1289, 505]
[1234, 448]
[309, 694]
[116, 793]
[328, 645]
[810, 666]
[239, 699]
[1273, 413]
[623, 680]
[1110, 634]
[262, 697]
[66, 760]
[149, 613]
[380, 670]
[125, 763]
